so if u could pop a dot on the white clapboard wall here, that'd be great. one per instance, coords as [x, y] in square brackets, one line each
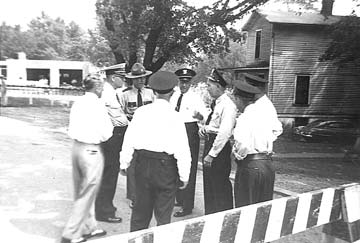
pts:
[263, 222]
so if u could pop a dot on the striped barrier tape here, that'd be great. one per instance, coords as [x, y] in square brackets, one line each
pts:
[262, 222]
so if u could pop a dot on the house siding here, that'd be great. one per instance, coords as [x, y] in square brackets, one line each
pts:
[265, 48]
[334, 91]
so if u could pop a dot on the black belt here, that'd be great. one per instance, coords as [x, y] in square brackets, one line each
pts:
[260, 156]
[155, 155]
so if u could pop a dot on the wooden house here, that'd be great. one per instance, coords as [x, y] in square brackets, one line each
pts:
[284, 47]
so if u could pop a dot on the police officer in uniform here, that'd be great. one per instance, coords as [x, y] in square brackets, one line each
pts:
[157, 145]
[130, 99]
[192, 109]
[218, 195]
[256, 130]
[104, 206]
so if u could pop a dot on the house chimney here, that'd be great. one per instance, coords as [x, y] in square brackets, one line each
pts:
[327, 7]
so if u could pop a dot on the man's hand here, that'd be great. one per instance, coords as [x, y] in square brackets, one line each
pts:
[123, 172]
[184, 184]
[202, 132]
[208, 160]
[198, 116]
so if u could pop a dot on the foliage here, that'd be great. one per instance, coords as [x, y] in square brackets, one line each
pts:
[53, 39]
[12, 40]
[306, 4]
[345, 44]
[158, 31]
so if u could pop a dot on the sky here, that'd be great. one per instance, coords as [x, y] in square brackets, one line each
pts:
[82, 12]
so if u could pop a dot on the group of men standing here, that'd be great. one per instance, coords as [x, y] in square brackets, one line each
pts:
[157, 146]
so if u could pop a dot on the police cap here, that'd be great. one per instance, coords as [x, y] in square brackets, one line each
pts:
[216, 77]
[185, 74]
[163, 81]
[245, 89]
[114, 68]
[255, 80]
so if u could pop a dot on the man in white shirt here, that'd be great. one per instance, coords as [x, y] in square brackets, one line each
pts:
[256, 130]
[218, 195]
[156, 141]
[130, 99]
[89, 127]
[192, 109]
[104, 206]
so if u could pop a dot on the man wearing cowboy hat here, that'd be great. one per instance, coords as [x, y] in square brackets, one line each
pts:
[104, 206]
[217, 132]
[192, 109]
[157, 139]
[131, 99]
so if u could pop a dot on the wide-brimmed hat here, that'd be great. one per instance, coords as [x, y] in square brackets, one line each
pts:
[138, 71]
[255, 80]
[245, 89]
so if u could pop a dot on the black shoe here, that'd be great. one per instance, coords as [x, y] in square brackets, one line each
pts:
[182, 213]
[95, 233]
[177, 204]
[113, 219]
[66, 240]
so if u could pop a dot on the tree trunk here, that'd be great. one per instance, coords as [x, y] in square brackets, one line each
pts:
[327, 7]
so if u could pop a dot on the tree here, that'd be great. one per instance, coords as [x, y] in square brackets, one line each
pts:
[158, 31]
[12, 41]
[345, 44]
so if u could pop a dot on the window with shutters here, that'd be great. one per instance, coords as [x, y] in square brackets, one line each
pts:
[302, 90]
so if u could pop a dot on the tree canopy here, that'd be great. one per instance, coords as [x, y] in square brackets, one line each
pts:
[345, 45]
[52, 39]
[158, 31]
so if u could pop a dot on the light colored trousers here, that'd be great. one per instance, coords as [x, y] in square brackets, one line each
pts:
[88, 164]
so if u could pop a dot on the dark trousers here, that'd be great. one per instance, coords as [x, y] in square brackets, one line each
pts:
[156, 176]
[104, 206]
[217, 186]
[130, 182]
[254, 181]
[186, 197]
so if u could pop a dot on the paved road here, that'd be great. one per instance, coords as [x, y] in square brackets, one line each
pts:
[36, 189]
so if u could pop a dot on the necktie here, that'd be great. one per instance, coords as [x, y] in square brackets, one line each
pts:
[212, 106]
[139, 98]
[177, 108]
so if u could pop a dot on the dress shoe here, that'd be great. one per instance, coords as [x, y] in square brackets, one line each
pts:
[182, 213]
[113, 219]
[66, 240]
[95, 233]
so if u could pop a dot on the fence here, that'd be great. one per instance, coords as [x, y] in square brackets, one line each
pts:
[264, 222]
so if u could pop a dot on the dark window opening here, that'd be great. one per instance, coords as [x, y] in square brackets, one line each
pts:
[257, 43]
[71, 77]
[302, 89]
[3, 70]
[42, 75]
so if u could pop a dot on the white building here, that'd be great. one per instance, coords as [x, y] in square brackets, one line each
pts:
[51, 73]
